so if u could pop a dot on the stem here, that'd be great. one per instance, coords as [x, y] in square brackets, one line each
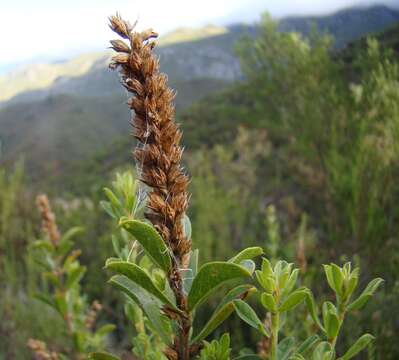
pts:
[184, 322]
[275, 328]
[341, 316]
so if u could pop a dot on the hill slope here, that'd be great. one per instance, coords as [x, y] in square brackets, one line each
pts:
[185, 54]
[82, 110]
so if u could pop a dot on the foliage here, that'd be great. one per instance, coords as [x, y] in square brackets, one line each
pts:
[306, 144]
[280, 296]
[150, 290]
[62, 273]
[217, 349]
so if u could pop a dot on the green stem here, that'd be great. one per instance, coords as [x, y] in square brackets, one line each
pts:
[275, 328]
[341, 317]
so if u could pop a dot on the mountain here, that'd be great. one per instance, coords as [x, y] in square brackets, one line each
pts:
[61, 114]
[346, 25]
[185, 55]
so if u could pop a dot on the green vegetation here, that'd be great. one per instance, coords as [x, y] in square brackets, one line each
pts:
[297, 163]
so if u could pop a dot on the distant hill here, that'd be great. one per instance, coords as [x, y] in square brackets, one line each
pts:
[346, 25]
[185, 55]
[63, 113]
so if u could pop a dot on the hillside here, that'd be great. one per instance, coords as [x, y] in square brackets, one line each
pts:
[213, 120]
[59, 126]
[185, 55]
[346, 25]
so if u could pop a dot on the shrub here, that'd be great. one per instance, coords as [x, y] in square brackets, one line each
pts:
[166, 283]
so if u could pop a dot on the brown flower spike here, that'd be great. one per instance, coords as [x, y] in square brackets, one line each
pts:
[49, 226]
[158, 156]
[155, 128]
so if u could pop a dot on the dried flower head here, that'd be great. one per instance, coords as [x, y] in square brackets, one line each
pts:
[92, 314]
[40, 351]
[49, 225]
[159, 156]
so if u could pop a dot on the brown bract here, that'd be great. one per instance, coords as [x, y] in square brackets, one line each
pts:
[159, 156]
[49, 226]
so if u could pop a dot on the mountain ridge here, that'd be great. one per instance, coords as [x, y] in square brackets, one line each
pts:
[206, 52]
[75, 118]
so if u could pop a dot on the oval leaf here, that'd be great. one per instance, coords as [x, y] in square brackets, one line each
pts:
[140, 277]
[293, 300]
[150, 240]
[268, 302]
[312, 308]
[285, 348]
[365, 296]
[321, 350]
[247, 254]
[249, 265]
[308, 344]
[224, 310]
[150, 304]
[74, 276]
[190, 274]
[210, 277]
[358, 346]
[248, 315]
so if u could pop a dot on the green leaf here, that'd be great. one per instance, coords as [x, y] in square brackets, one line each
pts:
[330, 320]
[191, 272]
[71, 233]
[108, 209]
[224, 310]
[102, 356]
[116, 246]
[247, 254]
[150, 304]
[46, 300]
[312, 308]
[64, 247]
[61, 304]
[140, 277]
[105, 329]
[112, 198]
[293, 300]
[74, 276]
[322, 351]
[43, 245]
[289, 286]
[249, 265]
[211, 276]
[373, 285]
[52, 278]
[150, 240]
[358, 346]
[329, 276]
[351, 284]
[297, 357]
[338, 278]
[365, 296]
[308, 344]
[268, 302]
[285, 348]
[248, 315]
[186, 226]
[266, 267]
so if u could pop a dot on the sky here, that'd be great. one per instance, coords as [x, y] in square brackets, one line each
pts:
[42, 30]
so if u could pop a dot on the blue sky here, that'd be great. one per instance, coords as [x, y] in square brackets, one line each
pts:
[34, 30]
